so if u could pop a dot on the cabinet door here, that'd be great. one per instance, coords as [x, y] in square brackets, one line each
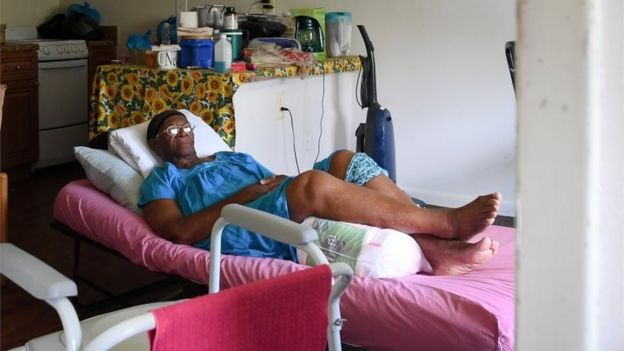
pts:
[20, 142]
[19, 65]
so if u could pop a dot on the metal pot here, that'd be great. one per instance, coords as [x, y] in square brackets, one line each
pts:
[210, 16]
[202, 15]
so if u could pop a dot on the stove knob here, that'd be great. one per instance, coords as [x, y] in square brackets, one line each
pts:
[59, 49]
[74, 49]
[46, 51]
[81, 48]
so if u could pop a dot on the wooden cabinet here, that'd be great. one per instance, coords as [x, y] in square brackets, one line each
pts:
[20, 122]
[100, 53]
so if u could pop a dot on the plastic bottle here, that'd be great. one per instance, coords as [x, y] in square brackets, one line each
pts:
[230, 19]
[223, 54]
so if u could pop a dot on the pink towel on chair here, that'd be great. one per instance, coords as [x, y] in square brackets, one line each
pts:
[284, 313]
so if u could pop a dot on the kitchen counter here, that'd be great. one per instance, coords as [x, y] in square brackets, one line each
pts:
[125, 95]
[18, 46]
[98, 43]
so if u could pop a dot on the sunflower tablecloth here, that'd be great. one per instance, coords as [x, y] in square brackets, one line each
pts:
[124, 95]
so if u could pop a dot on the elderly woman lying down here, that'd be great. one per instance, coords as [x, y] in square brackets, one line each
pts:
[182, 200]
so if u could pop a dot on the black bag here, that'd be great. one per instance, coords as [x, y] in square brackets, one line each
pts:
[81, 26]
[76, 26]
[261, 27]
[53, 28]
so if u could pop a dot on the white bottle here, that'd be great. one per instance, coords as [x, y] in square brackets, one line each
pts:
[223, 54]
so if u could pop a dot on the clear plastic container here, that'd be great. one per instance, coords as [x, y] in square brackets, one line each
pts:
[223, 54]
[338, 33]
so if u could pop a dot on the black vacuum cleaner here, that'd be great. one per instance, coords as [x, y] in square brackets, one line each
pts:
[376, 136]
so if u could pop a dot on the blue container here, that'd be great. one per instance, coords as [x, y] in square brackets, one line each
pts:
[197, 53]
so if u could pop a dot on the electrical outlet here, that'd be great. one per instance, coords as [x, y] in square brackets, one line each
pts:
[279, 103]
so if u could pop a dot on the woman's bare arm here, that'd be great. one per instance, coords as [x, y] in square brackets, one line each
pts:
[167, 220]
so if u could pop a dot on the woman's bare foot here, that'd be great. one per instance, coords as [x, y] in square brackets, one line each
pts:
[452, 257]
[472, 218]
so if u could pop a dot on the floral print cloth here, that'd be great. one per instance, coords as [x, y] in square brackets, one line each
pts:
[124, 95]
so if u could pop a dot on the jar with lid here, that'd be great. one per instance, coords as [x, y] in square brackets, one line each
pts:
[230, 19]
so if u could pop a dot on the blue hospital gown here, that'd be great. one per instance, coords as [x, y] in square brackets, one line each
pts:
[210, 182]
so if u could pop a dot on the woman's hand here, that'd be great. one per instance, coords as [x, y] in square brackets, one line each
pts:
[254, 191]
[272, 181]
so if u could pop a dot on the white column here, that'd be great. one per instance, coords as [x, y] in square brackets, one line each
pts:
[570, 272]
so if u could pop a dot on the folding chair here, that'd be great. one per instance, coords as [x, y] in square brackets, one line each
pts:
[129, 325]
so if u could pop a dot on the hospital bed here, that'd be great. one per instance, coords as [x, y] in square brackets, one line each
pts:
[474, 311]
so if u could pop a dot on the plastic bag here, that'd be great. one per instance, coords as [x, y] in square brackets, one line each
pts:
[370, 251]
[85, 10]
[271, 55]
[81, 26]
[140, 41]
[166, 32]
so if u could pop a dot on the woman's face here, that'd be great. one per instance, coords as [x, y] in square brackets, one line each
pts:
[173, 146]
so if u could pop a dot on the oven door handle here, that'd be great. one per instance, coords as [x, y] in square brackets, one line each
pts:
[62, 64]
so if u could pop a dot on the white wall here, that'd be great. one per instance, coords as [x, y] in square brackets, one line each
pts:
[443, 75]
[28, 12]
[441, 72]
[267, 134]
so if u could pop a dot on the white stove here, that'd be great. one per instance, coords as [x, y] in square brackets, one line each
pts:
[63, 95]
[57, 50]
[49, 49]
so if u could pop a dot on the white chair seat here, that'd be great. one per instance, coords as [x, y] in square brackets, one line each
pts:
[96, 325]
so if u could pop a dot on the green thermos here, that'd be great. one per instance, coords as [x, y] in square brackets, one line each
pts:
[236, 39]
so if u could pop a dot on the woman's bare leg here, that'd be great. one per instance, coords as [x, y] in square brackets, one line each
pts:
[338, 168]
[485, 207]
[449, 257]
[316, 193]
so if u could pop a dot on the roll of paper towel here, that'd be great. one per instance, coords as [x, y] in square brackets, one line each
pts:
[188, 19]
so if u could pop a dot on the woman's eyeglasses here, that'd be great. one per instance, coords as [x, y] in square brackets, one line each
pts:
[174, 130]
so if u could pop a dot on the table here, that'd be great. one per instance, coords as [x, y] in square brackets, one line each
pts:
[124, 95]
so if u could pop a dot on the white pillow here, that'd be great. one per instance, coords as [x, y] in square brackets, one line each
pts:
[370, 251]
[130, 143]
[111, 175]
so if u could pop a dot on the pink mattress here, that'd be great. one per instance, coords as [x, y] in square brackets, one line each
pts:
[474, 311]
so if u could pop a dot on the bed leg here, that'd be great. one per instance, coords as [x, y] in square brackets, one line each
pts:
[76, 269]
[121, 299]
